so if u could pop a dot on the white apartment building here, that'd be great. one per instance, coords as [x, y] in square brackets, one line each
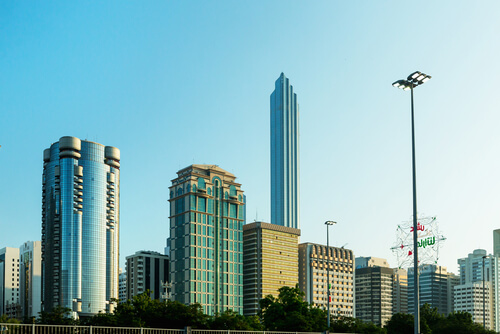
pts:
[469, 298]
[478, 268]
[9, 282]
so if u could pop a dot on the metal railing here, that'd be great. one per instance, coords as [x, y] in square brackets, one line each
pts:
[68, 329]
[9, 328]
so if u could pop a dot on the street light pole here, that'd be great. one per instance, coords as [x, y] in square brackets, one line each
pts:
[413, 80]
[328, 223]
[484, 302]
[416, 282]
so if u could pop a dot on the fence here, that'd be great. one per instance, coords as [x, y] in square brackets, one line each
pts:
[60, 329]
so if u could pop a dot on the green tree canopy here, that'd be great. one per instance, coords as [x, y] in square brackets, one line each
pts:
[432, 322]
[234, 321]
[58, 316]
[142, 311]
[4, 319]
[289, 312]
[353, 325]
[400, 323]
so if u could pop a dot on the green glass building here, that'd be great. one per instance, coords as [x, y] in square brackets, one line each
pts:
[207, 213]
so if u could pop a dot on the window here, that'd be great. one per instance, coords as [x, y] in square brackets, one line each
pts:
[202, 204]
[201, 183]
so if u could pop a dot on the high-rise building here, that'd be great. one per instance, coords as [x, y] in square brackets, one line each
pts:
[122, 286]
[478, 268]
[270, 261]
[30, 278]
[436, 287]
[496, 242]
[469, 297]
[147, 270]
[399, 291]
[380, 291]
[80, 226]
[9, 282]
[314, 261]
[284, 155]
[374, 294]
[207, 213]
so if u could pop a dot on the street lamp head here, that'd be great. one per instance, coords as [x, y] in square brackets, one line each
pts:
[414, 75]
[415, 79]
[402, 84]
[418, 78]
[329, 222]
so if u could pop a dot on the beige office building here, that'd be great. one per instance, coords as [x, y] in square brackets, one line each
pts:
[380, 291]
[270, 261]
[313, 278]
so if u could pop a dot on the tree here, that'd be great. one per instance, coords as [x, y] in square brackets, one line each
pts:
[353, 325]
[100, 319]
[4, 319]
[430, 319]
[234, 321]
[289, 312]
[178, 315]
[460, 323]
[400, 323]
[57, 316]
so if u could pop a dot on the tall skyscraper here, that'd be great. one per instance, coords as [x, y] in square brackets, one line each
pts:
[80, 225]
[284, 155]
[319, 265]
[270, 261]
[147, 270]
[9, 282]
[30, 277]
[207, 213]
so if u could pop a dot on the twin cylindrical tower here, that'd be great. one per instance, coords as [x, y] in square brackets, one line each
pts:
[80, 225]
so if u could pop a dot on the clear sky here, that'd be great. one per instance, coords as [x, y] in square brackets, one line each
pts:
[176, 83]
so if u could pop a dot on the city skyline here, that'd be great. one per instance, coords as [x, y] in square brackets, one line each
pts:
[140, 78]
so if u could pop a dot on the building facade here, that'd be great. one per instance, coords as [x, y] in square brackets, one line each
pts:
[147, 270]
[469, 297]
[380, 291]
[314, 260]
[207, 213]
[374, 294]
[30, 278]
[80, 226]
[496, 243]
[436, 286]
[399, 291]
[9, 282]
[270, 261]
[476, 268]
[284, 155]
[122, 286]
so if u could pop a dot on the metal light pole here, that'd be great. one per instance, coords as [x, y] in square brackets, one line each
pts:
[484, 302]
[328, 223]
[413, 80]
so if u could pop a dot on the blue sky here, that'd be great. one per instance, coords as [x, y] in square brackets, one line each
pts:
[175, 83]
